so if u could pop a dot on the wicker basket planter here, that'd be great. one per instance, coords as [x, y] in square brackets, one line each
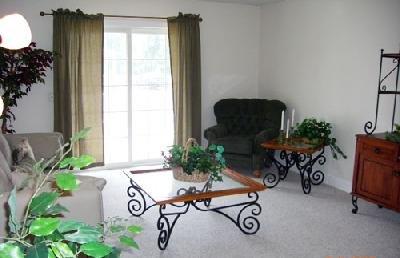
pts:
[195, 177]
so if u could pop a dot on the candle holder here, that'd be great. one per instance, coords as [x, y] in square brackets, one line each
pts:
[291, 140]
[281, 137]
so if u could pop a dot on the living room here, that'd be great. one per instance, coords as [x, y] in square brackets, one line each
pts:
[320, 58]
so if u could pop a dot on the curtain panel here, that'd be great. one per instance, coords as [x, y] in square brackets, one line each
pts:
[78, 85]
[184, 44]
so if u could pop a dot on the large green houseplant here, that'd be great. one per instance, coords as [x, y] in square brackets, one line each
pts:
[19, 70]
[318, 133]
[42, 234]
[193, 158]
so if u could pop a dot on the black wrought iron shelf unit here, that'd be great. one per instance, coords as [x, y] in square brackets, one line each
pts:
[370, 127]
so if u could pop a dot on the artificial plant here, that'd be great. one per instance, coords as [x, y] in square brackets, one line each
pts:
[42, 234]
[19, 70]
[196, 158]
[317, 133]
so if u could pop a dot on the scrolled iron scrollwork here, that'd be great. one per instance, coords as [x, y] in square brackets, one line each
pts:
[165, 226]
[317, 177]
[138, 205]
[354, 202]
[369, 127]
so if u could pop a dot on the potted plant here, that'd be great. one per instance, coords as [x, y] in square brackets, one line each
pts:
[193, 163]
[19, 70]
[318, 133]
[43, 234]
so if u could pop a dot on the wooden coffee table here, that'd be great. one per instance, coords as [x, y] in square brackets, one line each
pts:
[149, 188]
[301, 155]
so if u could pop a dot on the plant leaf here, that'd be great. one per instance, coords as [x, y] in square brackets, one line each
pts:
[44, 226]
[66, 181]
[84, 234]
[128, 241]
[70, 225]
[115, 253]
[50, 254]
[135, 229]
[96, 249]
[56, 210]
[9, 250]
[41, 203]
[37, 251]
[61, 249]
[80, 135]
[13, 223]
[117, 228]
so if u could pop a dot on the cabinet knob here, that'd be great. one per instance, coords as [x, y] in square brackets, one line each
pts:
[377, 150]
[396, 173]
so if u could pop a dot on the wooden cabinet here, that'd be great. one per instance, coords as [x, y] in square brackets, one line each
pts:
[376, 176]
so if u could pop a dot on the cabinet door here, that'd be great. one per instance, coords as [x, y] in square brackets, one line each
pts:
[376, 181]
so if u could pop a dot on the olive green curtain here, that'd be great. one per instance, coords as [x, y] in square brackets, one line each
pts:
[78, 86]
[184, 44]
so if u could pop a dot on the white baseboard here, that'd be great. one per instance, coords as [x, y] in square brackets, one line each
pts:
[339, 183]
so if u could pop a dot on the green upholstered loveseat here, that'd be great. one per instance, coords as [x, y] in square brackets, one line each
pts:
[242, 125]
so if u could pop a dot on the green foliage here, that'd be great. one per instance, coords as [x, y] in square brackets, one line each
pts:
[67, 181]
[96, 249]
[19, 70]
[318, 132]
[10, 250]
[395, 135]
[41, 234]
[206, 160]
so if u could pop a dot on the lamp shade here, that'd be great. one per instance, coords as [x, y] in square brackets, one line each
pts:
[15, 32]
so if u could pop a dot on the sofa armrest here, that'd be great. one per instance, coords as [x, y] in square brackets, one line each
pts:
[44, 145]
[216, 131]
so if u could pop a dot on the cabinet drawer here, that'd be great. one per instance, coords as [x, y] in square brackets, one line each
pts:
[380, 151]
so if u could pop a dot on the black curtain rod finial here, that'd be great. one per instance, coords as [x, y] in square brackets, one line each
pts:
[41, 13]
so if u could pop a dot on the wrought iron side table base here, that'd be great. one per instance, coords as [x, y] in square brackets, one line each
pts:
[245, 219]
[303, 162]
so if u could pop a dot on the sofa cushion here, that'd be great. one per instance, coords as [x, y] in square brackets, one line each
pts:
[5, 182]
[5, 149]
[236, 144]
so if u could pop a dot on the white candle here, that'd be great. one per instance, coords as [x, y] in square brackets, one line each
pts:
[282, 120]
[293, 117]
[287, 129]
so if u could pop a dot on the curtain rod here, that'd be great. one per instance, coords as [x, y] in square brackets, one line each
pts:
[123, 16]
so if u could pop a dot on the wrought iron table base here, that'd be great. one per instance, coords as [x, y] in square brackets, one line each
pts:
[303, 162]
[245, 219]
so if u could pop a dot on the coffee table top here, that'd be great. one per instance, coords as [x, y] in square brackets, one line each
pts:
[161, 186]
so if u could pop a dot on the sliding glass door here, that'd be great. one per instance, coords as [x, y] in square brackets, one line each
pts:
[138, 116]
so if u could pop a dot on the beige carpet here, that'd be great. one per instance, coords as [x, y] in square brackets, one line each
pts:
[293, 225]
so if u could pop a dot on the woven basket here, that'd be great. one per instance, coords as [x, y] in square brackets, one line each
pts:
[196, 175]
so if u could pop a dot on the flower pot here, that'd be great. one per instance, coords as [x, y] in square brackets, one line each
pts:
[196, 176]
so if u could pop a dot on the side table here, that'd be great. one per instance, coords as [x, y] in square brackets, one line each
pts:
[293, 153]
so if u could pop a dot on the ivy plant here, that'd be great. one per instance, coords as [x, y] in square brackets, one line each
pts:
[42, 234]
[19, 70]
[317, 133]
[206, 160]
[395, 135]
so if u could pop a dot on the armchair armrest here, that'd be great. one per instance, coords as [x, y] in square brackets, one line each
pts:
[216, 131]
[44, 145]
[266, 135]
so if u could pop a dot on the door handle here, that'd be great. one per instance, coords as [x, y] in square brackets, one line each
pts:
[377, 150]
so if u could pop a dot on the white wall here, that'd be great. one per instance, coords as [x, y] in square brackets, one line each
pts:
[230, 38]
[322, 57]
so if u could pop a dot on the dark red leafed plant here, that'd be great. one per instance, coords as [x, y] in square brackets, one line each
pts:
[19, 70]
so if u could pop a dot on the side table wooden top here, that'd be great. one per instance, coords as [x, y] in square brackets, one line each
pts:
[296, 146]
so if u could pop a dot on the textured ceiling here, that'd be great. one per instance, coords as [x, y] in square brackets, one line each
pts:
[249, 2]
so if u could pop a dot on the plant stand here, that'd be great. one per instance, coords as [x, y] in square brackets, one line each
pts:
[303, 158]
